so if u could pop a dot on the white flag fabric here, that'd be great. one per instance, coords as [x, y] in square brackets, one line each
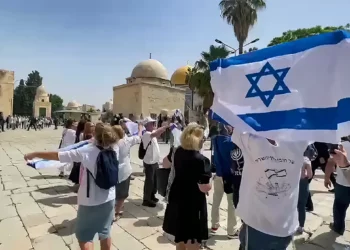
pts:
[293, 91]
[177, 132]
[133, 128]
[38, 163]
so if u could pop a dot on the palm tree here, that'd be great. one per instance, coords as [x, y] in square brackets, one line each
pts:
[198, 78]
[242, 15]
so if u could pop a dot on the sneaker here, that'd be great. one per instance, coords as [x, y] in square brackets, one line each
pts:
[331, 190]
[132, 178]
[214, 229]
[299, 231]
[309, 209]
[155, 199]
[331, 226]
[61, 175]
[149, 204]
[232, 236]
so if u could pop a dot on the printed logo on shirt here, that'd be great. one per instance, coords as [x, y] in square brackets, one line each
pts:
[271, 158]
[238, 161]
[273, 183]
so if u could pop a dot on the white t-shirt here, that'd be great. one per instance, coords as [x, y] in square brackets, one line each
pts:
[68, 137]
[87, 155]
[341, 179]
[269, 190]
[125, 144]
[152, 155]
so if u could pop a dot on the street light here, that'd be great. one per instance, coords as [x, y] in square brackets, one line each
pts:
[235, 50]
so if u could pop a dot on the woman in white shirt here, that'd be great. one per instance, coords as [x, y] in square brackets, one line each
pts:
[268, 195]
[125, 170]
[68, 138]
[96, 205]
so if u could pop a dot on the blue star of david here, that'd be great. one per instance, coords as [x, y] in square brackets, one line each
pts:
[280, 87]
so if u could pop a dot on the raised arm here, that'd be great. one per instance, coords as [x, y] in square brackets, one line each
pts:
[53, 156]
[159, 131]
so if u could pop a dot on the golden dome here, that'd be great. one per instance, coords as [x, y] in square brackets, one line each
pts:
[179, 76]
[150, 69]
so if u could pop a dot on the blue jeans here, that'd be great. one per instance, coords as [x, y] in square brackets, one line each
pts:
[257, 240]
[340, 205]
[303, 196]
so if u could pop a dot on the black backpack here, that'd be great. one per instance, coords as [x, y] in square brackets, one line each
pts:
[107, 170]
[142, 150]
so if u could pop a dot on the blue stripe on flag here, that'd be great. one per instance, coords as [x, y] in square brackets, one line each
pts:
[322, 118]
[282, 49]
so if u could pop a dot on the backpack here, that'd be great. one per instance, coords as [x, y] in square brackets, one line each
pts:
[142, 150]
[107, 170]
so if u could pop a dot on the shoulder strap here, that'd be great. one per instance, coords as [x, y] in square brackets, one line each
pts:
[149, 144]
[88, 173]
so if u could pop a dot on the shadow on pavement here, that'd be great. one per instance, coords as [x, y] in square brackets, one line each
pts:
[58, 201]
[49, 177]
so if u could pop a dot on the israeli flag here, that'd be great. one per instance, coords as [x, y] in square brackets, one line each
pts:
[294, 91]
[41, 163]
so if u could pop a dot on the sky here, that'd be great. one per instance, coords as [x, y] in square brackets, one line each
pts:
[82, 48]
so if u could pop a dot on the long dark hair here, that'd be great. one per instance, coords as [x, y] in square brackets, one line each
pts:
[80, 129]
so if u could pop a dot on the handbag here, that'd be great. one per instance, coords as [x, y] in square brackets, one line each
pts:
[162, 180]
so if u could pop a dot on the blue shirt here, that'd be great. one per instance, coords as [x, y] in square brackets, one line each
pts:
[227, 158]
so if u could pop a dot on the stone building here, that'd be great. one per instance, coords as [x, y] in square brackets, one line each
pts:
[108, 106]
[88, 108]
[41, 104]
[7, 82]
[193, 102]
[147, 91]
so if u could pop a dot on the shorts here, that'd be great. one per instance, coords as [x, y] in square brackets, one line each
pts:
[92, 220]
[122, 189]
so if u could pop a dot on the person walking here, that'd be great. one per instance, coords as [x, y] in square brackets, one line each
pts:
[186, 215]
[32, 123]
[269, 191]
[95, 201]
[125, 169]
[223, 182]
[151, 157]
[2, 122]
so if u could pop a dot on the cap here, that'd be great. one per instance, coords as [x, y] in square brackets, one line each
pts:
[148, 119]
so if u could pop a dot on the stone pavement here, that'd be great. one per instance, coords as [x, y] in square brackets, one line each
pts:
[38, 209]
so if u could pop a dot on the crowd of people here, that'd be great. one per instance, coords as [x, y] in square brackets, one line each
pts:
[25, 122]
[266, 181]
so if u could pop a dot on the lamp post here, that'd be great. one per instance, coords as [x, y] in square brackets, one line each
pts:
[235, 50]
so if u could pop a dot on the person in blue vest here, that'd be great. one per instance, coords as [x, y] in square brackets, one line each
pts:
[223, 148]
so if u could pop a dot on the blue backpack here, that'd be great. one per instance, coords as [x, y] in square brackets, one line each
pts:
[107, 170]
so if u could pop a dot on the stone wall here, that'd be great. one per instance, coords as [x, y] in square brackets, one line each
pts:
[146, 99]
[38, 105]
[6, 91]
[156, 97]
[127, 99]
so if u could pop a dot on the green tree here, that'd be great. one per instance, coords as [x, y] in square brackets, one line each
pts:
[198, 78]
[242, 15]
[91, 110]
[24, 94]
[56, 103]
[292, 35]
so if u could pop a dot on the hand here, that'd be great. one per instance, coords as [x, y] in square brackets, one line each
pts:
[327, 183]
[340, 157]
[140, 127]
[29, 156]
[309, 173]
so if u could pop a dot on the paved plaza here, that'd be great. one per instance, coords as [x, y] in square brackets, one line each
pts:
[38, 209]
